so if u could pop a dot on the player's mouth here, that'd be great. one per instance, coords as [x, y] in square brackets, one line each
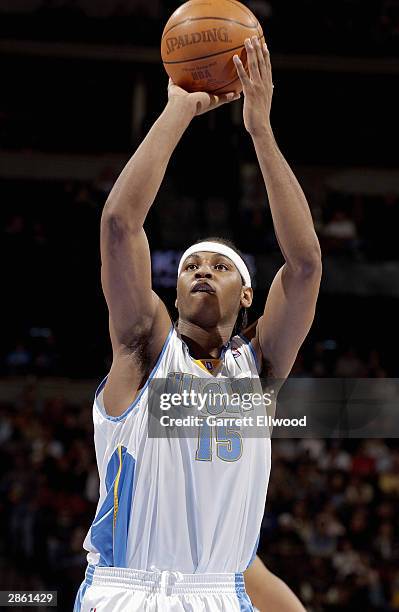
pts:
[203, 287]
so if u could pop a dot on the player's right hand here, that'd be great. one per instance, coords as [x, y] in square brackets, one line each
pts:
[199, 102]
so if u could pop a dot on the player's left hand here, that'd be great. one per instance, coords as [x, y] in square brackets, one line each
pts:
[257, 86]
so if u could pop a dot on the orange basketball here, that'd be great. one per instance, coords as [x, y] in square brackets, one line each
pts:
[200, 39]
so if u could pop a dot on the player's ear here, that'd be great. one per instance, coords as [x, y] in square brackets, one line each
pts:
[176, 303]
[247, 295]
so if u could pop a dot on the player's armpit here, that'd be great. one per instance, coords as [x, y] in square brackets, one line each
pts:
[133, 362]
[267, 592]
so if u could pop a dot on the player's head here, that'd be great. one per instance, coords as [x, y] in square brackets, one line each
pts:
[214, 285]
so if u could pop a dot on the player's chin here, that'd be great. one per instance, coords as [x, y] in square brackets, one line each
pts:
[203, 312]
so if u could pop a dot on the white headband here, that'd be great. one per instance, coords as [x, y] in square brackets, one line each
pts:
[222, 249]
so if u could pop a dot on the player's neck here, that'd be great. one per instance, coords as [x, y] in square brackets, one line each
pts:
[203, 343]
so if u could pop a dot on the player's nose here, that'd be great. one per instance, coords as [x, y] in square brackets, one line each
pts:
[203, 271]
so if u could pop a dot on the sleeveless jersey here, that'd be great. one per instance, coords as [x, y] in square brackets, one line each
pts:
[166, 503]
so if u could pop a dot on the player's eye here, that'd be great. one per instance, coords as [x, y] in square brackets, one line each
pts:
[191, 266]
[221, 266]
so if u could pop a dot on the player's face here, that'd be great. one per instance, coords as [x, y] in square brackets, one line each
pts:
[210, 290]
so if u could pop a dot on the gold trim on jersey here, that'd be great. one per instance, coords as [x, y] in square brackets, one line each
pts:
[116, 484]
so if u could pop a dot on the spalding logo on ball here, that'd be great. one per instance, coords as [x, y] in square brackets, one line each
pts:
[199, 41]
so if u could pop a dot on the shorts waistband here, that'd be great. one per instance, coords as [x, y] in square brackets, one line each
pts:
[168, 582]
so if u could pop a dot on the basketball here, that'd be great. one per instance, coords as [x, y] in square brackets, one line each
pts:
[199, 41]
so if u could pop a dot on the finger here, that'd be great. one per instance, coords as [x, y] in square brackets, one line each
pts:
[216, 101]
[229, 97]
[252, 61]
[266, 57]
[261, 59]
[204, 99]
[268, 65]
[206, 102]
[224, 99]
[242, 74]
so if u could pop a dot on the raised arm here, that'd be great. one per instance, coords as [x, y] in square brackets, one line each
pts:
[290, 305]
[139, 322]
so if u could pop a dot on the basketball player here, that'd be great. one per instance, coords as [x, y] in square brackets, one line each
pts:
[178, 519]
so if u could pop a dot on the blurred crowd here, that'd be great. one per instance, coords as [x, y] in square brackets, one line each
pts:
[48, 493]
[330, 528]
[354, 226]
[361, 28]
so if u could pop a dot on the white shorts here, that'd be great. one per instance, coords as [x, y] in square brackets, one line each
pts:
[115, 589]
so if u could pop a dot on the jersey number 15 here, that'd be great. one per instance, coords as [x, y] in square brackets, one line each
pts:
[228, 443]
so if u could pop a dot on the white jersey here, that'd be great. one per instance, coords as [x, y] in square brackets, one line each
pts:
[187, 504]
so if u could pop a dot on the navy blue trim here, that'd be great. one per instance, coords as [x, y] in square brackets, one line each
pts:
[258, 369]
[151, 376]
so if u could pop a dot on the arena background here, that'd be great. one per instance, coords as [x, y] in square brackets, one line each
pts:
[81, 84]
